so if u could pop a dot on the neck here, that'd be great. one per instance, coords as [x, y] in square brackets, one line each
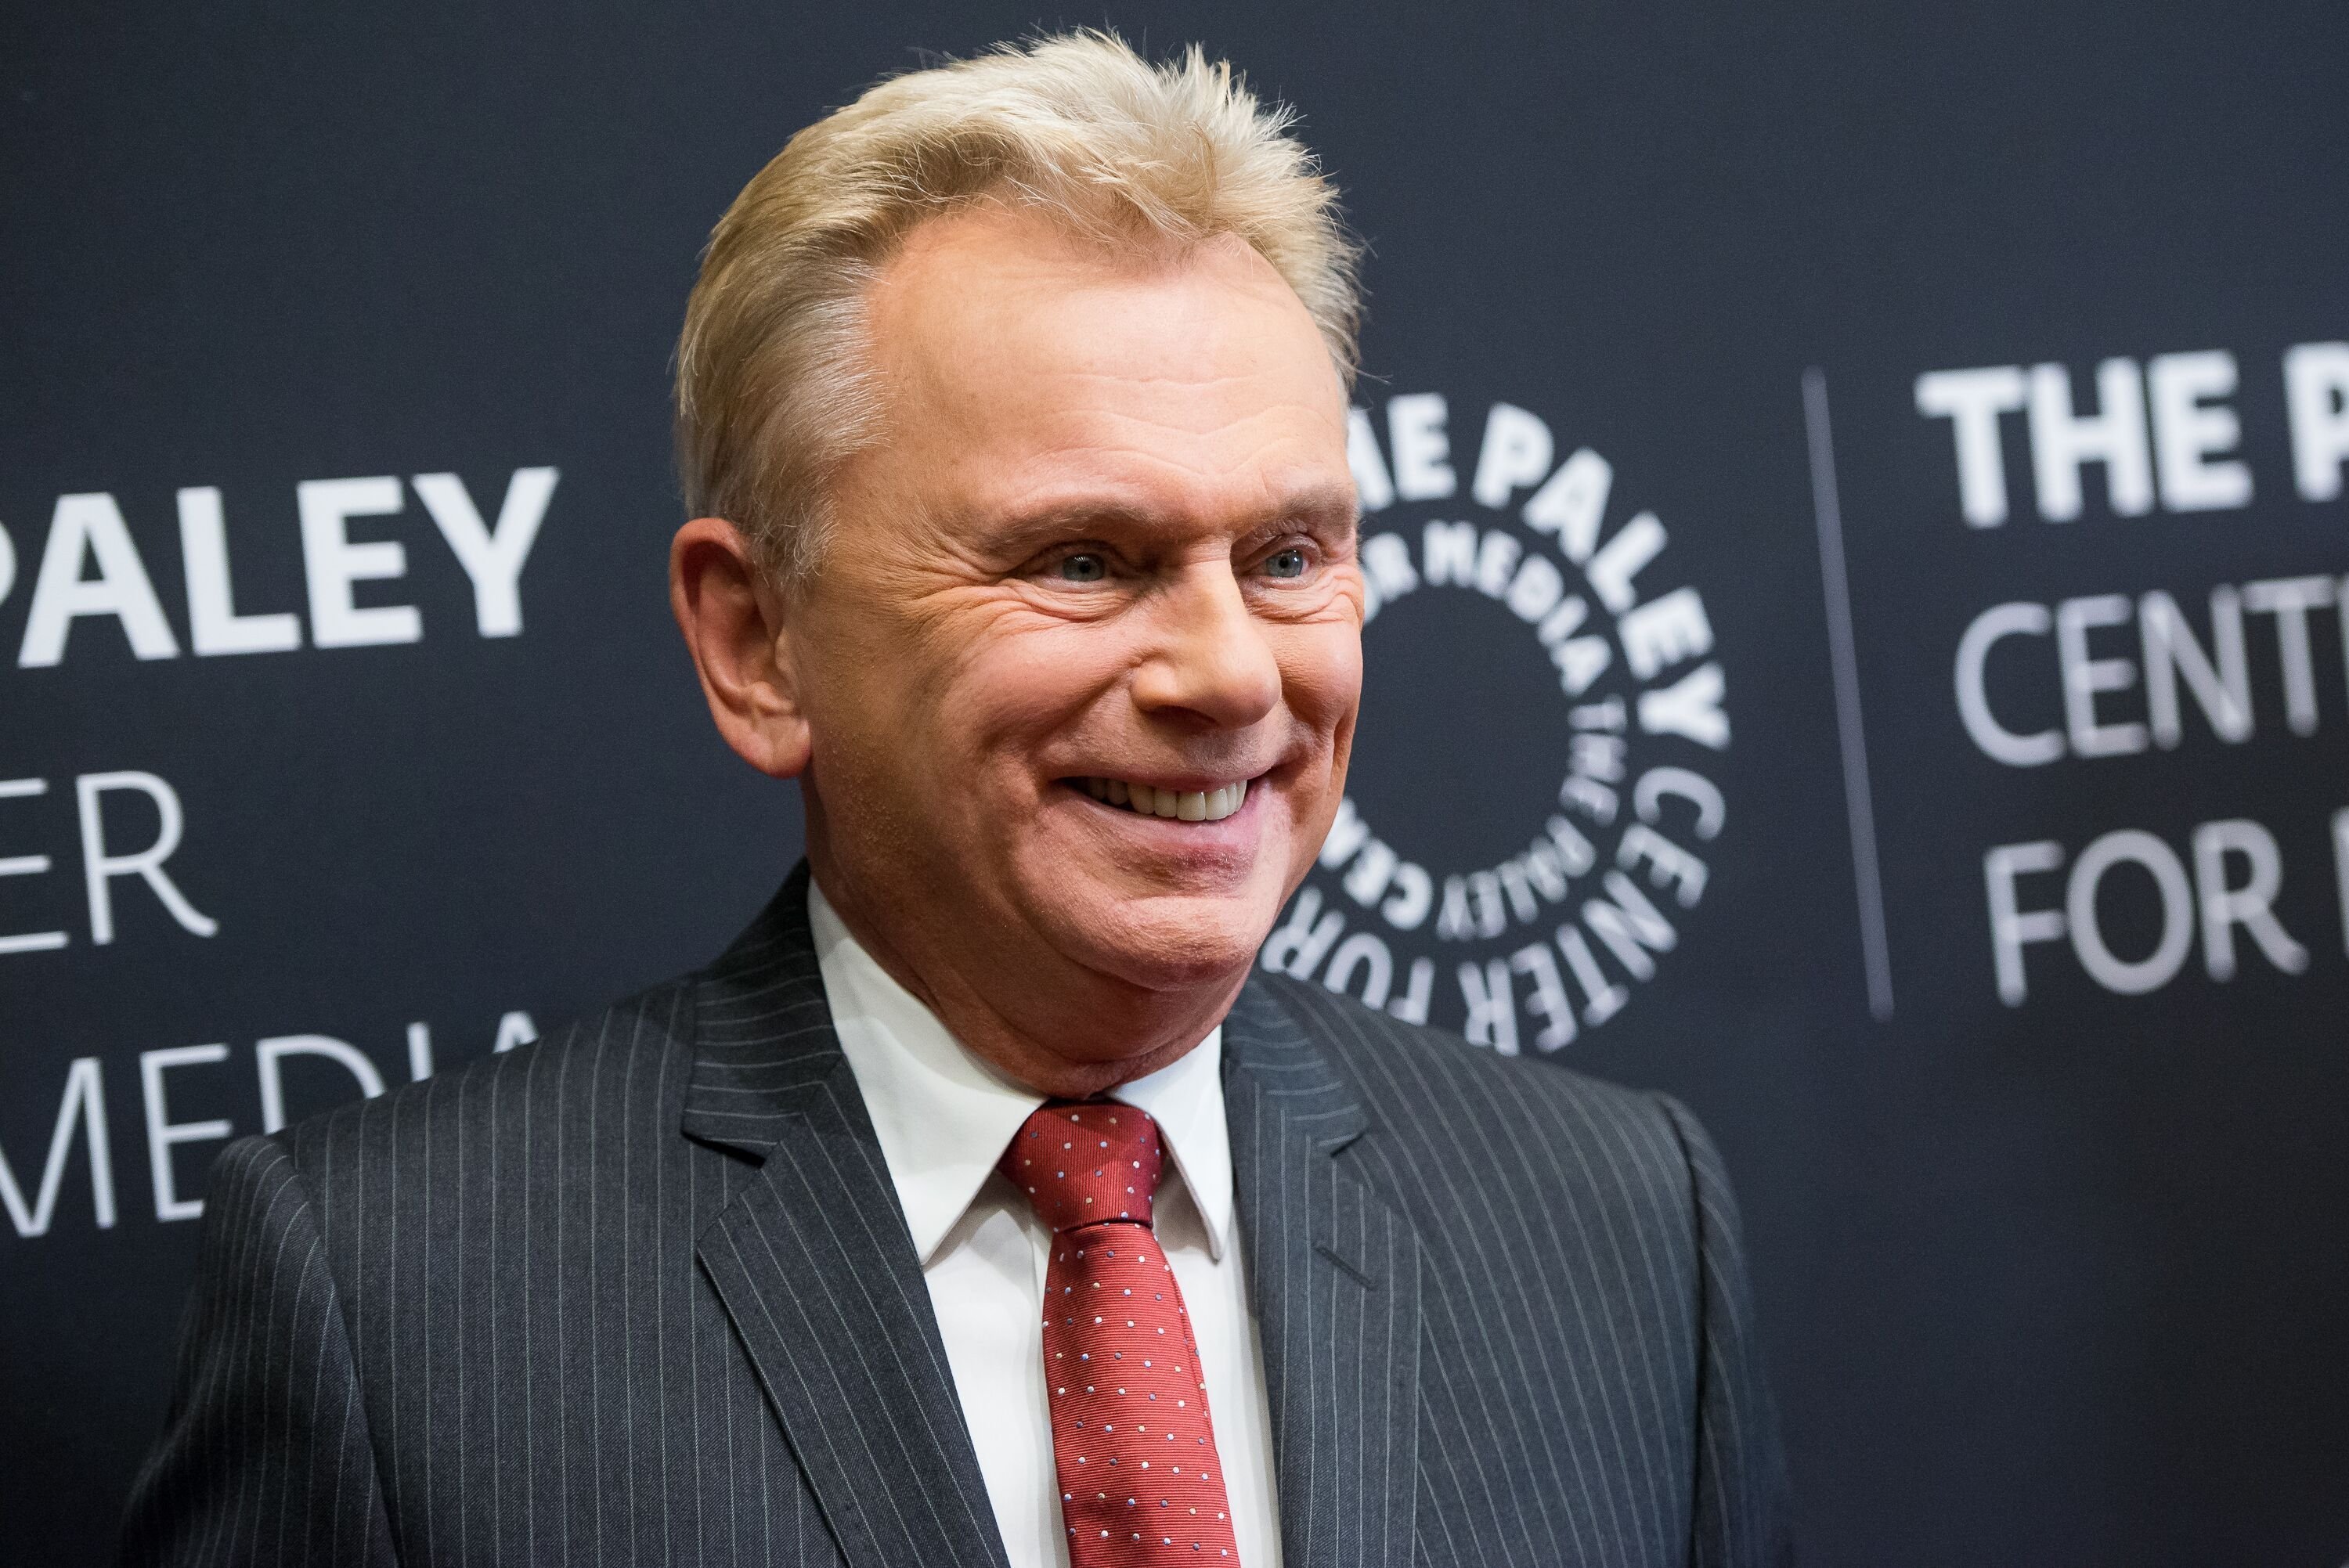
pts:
[1024, 1031]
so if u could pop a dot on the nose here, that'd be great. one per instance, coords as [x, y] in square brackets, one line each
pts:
[1211, 659]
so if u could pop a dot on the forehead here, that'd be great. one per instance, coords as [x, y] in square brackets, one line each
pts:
[1020, 362]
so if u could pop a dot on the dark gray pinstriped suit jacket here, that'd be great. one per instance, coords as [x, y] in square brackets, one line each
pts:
[642, 1294]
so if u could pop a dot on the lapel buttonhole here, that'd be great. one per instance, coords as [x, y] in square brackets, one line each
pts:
[1343, 1267]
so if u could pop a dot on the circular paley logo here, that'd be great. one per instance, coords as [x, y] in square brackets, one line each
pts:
[1515, 867]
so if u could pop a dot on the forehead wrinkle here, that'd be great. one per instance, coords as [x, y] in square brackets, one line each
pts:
[1138, 416]
[1197, 458]
[1118, 451]
[1151, 431]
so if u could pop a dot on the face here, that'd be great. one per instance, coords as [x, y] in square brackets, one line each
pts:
[1102, 555]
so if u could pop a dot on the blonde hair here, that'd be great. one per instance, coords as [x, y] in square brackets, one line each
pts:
[773, 391]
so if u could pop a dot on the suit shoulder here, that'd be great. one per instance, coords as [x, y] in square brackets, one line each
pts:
[610, 1061]
[1431, 1086]
[1366, 1038]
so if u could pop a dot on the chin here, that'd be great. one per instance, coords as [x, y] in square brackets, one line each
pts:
[1171, 943]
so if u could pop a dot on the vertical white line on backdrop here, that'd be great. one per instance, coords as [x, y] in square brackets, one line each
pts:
[1844, 658]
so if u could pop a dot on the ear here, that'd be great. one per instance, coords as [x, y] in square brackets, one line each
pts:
[732, 619]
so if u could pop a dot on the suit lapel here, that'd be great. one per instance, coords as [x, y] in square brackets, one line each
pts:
[814, 1264]
[1336, 1280]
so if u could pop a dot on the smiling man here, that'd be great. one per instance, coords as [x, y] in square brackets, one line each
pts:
[982, 1204]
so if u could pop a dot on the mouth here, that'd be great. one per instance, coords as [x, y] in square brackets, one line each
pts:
[1175, 805]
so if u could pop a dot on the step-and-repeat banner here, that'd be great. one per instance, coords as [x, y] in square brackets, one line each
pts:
[1854, 514]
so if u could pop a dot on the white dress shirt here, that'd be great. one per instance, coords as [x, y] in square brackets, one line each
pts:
[944, 1118]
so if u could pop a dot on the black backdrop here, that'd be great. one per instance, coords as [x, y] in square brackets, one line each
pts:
[2054, 1279]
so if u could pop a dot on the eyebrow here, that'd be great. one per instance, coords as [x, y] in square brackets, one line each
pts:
[1328, 505]
[1316, 505]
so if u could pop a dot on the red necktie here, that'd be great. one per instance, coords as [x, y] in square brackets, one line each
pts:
[1141, 1486]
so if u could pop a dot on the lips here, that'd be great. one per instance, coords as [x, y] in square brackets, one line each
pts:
[1184, 806]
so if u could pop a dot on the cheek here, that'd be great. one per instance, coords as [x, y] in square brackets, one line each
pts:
[1321, 679]
[1016, 689]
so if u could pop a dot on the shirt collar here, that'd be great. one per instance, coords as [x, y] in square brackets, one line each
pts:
[944, 1116]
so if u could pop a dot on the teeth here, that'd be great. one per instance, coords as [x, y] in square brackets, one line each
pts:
[1189, 806]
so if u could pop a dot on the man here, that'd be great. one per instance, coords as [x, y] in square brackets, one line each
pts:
[981, 1205]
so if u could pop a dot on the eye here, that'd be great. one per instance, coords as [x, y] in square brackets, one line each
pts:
[1290, 563]
[1081, 568]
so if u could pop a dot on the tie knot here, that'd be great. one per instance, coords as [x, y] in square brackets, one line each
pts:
[1085, 1163]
